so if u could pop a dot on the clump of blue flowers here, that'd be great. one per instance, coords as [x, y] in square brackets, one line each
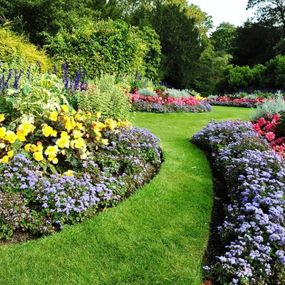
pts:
[253, 231]
[37, 202]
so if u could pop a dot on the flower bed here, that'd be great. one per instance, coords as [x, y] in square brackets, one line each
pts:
[59, 166]
[166, 104]
[253, 231]
[235, 102]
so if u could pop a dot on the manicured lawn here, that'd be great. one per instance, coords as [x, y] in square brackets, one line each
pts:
[157, 236]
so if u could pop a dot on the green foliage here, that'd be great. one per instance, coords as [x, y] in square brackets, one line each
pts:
[16, 52]
[106, 96]
[177, 93]
[223, 37]
[275, 72]
[276, 106]
[146, 92]
[107, 47]
[181, 47]
[43, 92]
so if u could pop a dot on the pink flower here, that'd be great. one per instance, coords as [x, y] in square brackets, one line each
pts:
[270, 136]
[261, 122]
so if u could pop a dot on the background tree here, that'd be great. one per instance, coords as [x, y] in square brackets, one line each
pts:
[271, 12]
[254, 43]
[223, 38]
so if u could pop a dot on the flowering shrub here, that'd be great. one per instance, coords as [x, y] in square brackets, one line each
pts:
[162, 104]
[253, 231]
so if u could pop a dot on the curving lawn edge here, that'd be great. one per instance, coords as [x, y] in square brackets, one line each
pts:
[157, 236]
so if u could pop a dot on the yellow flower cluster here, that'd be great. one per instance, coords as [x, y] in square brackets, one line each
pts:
[62, 131]
[8, 138]
[199, 98]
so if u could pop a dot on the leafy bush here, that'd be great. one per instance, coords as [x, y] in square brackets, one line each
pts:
[107, 47]
[270, 107]
[16, 52]
[106, 96]
[253, 229]
[34, 95]
[146, 92]
[176, 93]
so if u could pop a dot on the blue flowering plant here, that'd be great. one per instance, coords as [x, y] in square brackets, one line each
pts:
[253, 230]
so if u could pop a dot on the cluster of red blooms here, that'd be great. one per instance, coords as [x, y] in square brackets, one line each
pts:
[226, 100]
[191, 101]
[267, 127]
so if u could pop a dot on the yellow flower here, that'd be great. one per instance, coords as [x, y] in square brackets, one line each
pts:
[77, 134]
[40, 147]
[21, 136]
[64, 140]
[48, 131]
[10, 153]
[5, 159]
[70, 124]
[33, 148]
[55, 161]
[111, 124]
[38, 156]
[53, 116]
[69, 173]
[2, 118]
[78, 143]
[27, 147]
[25, 128]
[105, 141]
[64, 108]
[11, 137]
[2, 132]
[124, 124]
[2, 145]
[51, 151]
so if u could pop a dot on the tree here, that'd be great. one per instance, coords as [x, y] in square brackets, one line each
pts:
[269, 11]
[254, 43]
[181, 43]
[223, 38]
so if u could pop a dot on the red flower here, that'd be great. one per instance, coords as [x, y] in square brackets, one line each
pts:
[261, 122]
[270, 136]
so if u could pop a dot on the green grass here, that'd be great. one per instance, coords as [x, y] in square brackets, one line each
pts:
[157, 236]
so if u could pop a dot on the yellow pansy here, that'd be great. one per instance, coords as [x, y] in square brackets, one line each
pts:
[40, 147]
[48, 131]
[79, 143]
[83, 156]
[64, 140]
[38, 156]
[25, 128]
[5, 159]
[2, 132]
[55, 161]
[21, 136]
[2, 145]
[69, 124]
[2, 118]
[77, 134]
[27, 147]
[33, 148]
[53, 116]
[10, 136]
[51, 151]
[124, 124]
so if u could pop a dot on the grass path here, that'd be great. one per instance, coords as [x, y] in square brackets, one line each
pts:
[157, 236]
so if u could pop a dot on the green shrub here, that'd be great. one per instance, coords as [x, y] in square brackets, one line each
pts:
[146, 92]
[16, 52]
[107, 47]
[176, 93]
[105, 96]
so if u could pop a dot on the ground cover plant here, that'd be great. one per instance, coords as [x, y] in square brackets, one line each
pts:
[253, 228]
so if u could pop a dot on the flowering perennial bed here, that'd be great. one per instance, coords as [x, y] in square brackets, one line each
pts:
[253, 231]
[64, 166]
[160, 104]
[236, 102]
